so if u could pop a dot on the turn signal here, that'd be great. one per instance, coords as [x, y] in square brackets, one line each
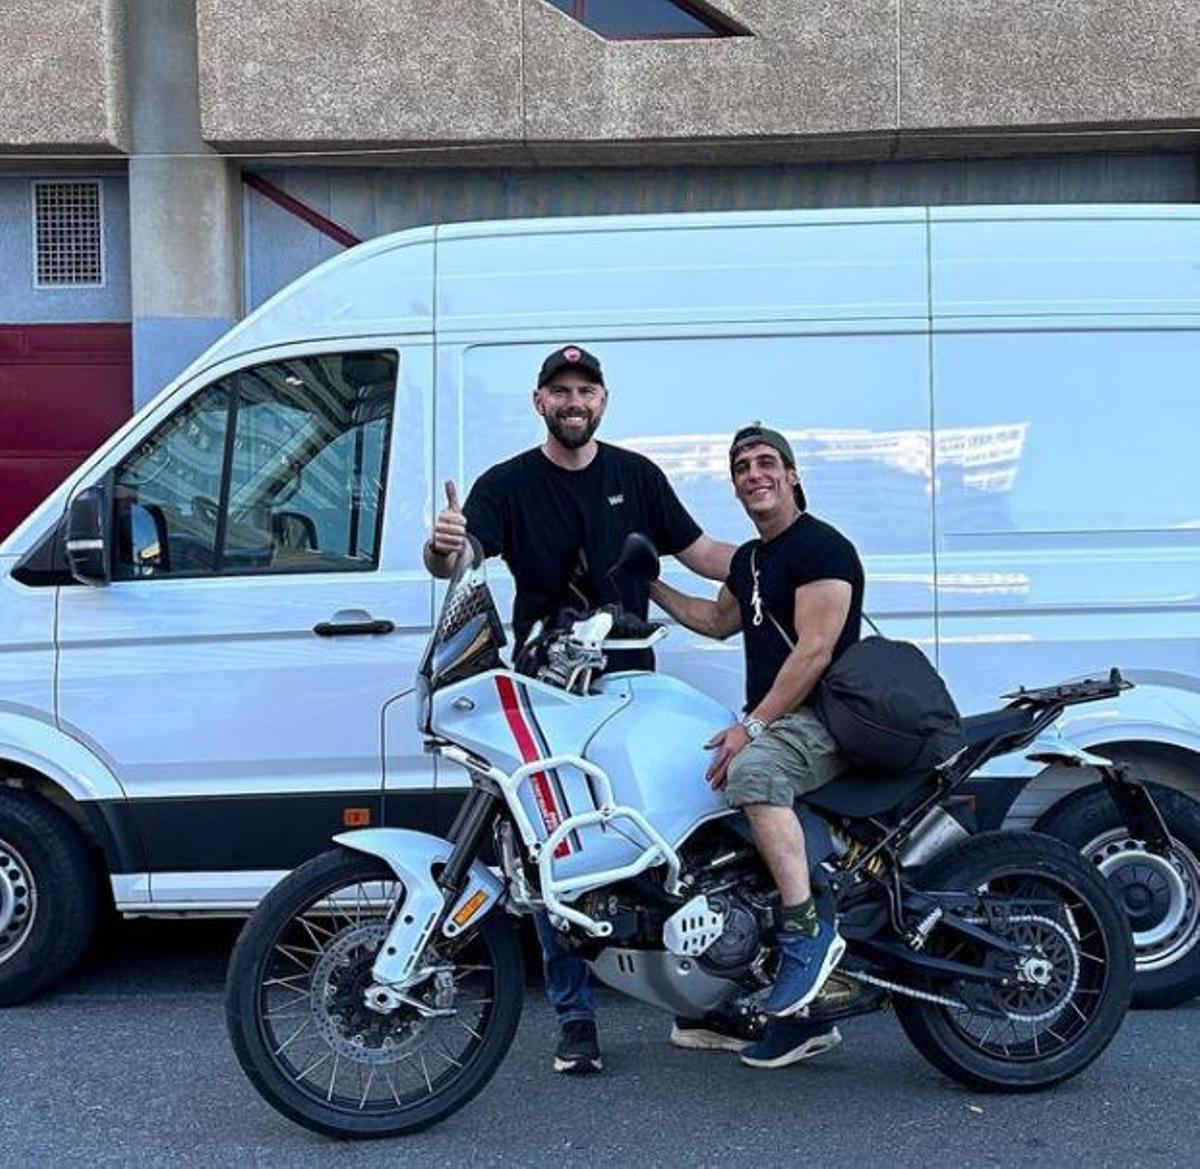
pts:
[356, 817]
[469, 910]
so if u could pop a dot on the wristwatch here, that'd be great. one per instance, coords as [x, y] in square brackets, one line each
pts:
[754, 726]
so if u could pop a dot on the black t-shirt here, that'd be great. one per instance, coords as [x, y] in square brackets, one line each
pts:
[807, 551]
[560, 531]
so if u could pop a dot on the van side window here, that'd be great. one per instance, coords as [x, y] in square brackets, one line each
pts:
[174, 478]
[279, 468]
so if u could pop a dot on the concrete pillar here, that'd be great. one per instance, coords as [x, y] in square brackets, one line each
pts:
[184, 202]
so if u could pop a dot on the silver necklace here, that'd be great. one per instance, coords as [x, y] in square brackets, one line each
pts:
[756, 602]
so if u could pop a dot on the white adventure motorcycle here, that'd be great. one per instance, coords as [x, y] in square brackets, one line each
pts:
[377, 988]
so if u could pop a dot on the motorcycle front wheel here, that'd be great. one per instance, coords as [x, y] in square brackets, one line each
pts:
[1075, 981]
[314, 1050]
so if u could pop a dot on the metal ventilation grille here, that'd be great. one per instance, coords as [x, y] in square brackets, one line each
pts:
[68, 234]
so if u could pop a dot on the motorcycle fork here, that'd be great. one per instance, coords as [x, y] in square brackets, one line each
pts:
[467, 834]
[421, 916]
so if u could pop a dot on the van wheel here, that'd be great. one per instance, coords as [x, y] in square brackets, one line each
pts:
[48, 896]
[1160, 894]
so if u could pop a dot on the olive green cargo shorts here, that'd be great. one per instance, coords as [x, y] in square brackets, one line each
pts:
[793, 756]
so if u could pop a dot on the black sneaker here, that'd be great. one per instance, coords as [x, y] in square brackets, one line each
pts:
[788, 1041]
[578, 1051]
[720, 1031]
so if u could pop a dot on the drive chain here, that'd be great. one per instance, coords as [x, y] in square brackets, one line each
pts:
[958, 1004]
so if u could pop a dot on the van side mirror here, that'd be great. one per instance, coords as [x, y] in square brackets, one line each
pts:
[141, 540]
[88, 542]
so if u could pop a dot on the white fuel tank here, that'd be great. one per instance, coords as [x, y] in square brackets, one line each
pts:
[653, 750]
[647, 731]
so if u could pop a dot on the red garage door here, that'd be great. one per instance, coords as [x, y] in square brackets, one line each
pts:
[63, 390]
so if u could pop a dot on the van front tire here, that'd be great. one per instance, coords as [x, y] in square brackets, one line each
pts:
[1160, 894]
[48, 896]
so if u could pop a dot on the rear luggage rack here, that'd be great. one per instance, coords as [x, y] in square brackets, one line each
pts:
[1070, 693]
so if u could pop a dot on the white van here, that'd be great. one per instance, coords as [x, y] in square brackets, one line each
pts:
[998, 406]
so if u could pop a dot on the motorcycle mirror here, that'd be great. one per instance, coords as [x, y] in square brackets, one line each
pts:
[638, 559]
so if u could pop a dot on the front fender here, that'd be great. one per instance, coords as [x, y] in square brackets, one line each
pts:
[412, 856]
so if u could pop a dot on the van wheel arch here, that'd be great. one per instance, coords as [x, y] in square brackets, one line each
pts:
[1163, 763]
[95, 833]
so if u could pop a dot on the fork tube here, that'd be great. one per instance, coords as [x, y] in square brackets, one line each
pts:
[467, 834]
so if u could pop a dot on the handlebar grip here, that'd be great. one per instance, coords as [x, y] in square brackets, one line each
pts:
[631, 628]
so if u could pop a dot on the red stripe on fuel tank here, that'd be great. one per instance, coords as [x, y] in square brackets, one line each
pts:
[542, 790]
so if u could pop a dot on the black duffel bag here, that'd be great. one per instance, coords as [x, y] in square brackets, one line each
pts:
[887, 708]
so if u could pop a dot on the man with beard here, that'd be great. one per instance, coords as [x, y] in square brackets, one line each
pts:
[558, 514]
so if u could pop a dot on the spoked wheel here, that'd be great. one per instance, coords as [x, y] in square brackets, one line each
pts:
[335, 1059]
[1058, 985]
[1073, 979]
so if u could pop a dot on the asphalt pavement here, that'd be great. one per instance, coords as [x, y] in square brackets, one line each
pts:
[128, 1064]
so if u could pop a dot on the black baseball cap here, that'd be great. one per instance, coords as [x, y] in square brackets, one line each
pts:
[756, 434]
[570, 357]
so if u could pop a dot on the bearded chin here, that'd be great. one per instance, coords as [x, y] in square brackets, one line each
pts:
[571, 439]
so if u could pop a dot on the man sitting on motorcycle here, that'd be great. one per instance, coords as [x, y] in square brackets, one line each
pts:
[795, 593]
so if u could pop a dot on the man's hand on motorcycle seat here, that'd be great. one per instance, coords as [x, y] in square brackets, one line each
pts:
[727, 744]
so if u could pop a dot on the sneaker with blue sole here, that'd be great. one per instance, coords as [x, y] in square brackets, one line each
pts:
[788, 1041]
[804, 965]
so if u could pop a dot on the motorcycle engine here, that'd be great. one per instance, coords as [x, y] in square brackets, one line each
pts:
[739, 944]
[736, 951]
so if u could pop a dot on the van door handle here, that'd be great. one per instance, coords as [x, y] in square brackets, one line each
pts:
[353, 623]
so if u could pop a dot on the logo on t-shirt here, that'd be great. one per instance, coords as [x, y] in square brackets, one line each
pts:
[614, 500]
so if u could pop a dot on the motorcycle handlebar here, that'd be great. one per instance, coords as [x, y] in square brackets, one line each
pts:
[628, 626]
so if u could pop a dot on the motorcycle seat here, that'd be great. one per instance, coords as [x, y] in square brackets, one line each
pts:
[1008, 722]
[858, 795]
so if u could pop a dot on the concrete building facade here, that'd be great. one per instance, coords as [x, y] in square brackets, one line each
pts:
[130, 131]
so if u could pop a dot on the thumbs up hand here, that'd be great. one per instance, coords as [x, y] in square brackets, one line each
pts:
[450, 527]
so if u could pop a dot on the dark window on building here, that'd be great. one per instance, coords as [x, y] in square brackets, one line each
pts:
[68, 234]
[646, 19]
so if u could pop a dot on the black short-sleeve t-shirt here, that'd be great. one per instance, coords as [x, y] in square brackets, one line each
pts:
[560, 531]
[809, 550]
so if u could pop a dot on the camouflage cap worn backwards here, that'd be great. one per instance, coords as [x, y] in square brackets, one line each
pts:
[758, 435]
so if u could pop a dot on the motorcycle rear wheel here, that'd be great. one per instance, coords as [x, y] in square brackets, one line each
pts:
[1051, 1032]
[312, 1048]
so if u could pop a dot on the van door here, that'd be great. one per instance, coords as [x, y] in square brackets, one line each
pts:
[265, 608]
[1065, 347]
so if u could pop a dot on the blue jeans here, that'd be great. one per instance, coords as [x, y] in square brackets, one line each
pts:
[566, 975]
